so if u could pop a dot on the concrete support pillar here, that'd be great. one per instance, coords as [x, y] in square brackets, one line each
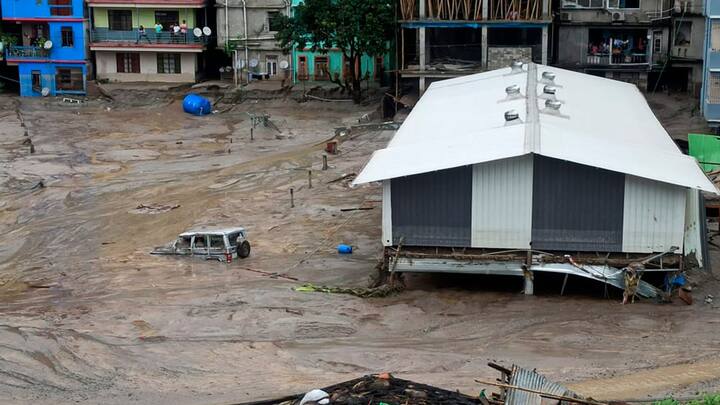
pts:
[545, 45]
[545, 9]
[485, 10]
[528, 275]
[421, 84]
[484, 46]
[421, 9]
[529, 283]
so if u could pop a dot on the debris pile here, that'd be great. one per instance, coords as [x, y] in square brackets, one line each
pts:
[377, 390]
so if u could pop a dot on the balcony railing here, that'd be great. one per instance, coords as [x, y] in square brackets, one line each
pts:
[149, 37]
[27, 52]
[605, 59]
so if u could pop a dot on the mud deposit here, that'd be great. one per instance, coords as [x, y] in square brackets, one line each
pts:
[88, 316]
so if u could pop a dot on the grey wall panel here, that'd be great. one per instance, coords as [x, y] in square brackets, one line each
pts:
[433, 209]
[576, 207]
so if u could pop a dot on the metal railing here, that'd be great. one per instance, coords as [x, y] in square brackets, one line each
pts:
[617, 59]
[149, 37]
[27, 52]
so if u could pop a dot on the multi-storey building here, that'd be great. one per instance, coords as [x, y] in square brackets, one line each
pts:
[148, 40]
[246, 28]
[49, 49]
[687, 44]
[448, 38]
[710, 96]
[621, 39]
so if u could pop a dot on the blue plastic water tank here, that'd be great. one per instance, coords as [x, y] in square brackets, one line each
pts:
[197, 105]
[344, 249]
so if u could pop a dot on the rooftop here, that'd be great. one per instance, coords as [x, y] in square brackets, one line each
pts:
[593, 121]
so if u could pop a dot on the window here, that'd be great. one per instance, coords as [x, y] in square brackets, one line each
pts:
[67, 37]
[713, 88]
[682, 30]
[623, 3]
[217, 243]
[120, 20]
[166, 18]
[70, 79]
[583, 4]
[322, 72]
[36, 80]
[379, 68]
[273, 23]
[60, 7]
[168, 63]
[271, 65]
[128, 62]
[302, 71]
[715, 36]
[657, 42]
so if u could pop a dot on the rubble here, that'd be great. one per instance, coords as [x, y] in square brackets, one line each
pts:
[378, 389]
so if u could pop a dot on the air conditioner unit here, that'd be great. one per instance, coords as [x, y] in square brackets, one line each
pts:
[618, 16]
[565, 17]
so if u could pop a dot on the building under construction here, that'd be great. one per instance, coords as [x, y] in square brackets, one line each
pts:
[441, 39]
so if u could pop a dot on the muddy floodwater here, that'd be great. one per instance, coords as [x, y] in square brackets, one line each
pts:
[87, 315]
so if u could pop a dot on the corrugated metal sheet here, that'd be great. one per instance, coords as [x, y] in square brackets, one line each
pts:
[387, 214]
[524, 378]
[576, 207]
[502, 203]
[433, 209]
[654, 216]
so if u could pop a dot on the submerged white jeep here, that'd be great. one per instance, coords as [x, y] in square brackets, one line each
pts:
[222, 244]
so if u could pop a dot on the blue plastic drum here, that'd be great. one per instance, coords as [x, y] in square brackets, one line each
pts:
[344, 249]
[196, 105]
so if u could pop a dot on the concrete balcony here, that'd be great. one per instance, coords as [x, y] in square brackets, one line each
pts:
[150, 38]
[605, 59]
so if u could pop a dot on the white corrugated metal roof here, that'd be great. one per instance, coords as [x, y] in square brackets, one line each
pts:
[602, 123]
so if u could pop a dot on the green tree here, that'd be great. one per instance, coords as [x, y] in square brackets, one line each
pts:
[355, 27]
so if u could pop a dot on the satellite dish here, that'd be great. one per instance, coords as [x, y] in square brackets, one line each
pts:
[207, 31]
[45, 91]
[47, 44]
[222, 70]
[284, 64]
[253, 63]
[197, 32]
[176, 29]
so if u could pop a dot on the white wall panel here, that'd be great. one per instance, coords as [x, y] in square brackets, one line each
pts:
[653, 216]
[502, 203]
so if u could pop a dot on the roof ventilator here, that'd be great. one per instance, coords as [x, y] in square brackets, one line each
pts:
[513, 92]
[512, 117]
[516, 67]
[548, 78]
[552, 107]
[549, 93]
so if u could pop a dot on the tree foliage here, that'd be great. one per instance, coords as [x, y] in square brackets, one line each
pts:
[355, 27]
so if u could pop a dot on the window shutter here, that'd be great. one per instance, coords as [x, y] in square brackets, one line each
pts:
[135, 61]
[119, 62]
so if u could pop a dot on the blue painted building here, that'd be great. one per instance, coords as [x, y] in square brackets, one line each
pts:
[710, 96]
[49, 50]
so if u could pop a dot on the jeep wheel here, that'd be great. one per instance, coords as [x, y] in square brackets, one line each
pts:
[244, 249]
